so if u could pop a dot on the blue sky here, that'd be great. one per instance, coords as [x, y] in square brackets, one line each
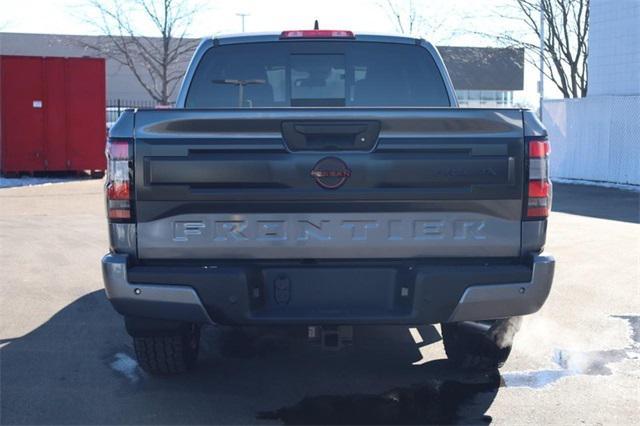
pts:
[453, 22]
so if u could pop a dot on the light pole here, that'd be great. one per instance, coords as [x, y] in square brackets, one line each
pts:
[541, 65]
[242, 16]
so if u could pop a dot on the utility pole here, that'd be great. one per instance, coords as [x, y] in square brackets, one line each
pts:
[242, 16]
[541, 65]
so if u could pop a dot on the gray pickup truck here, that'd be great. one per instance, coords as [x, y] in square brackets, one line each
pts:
[324, 179]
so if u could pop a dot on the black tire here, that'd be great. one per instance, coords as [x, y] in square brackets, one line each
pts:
[479, 345]
[169, 354]
[97, 174]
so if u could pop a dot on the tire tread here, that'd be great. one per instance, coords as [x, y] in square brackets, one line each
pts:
[472, 351]
[164, 355]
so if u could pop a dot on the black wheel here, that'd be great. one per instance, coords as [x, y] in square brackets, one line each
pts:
[479, 345]
[97, 174]
[168, 354]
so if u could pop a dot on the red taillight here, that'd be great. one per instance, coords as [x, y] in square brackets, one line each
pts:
[539, 149]
[541, 212]
[317, 34]
[118, 191]
[119, 177]
[539, 187]
[122, 214]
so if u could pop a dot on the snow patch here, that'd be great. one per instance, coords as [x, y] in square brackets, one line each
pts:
[31, 181]
[126, 366]
[533, 379]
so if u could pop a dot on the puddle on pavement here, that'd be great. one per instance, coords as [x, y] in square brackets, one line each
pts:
[452, 397]
[634, 324]
[573, 363]
[449, 401]
[594, 363]
[434, 402]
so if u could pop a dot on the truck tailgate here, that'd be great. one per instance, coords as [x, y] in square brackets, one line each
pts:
[328, 183]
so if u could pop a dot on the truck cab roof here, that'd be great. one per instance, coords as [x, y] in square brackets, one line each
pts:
[316, 38]
[276, 36]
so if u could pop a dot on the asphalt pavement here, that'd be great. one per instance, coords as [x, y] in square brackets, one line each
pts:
[66, 359]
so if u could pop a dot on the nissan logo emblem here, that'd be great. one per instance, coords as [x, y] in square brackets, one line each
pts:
[330, 173]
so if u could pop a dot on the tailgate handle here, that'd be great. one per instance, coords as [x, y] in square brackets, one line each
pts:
[331, 136]
[315, 129]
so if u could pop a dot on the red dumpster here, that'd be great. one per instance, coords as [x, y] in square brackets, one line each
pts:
[52, 114]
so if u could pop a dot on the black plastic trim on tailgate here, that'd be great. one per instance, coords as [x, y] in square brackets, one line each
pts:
[236, 160]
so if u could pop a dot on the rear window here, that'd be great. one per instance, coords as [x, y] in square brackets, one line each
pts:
[283, 74]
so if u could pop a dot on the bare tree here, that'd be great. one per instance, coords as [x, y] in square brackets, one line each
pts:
[405, 21]
[566, 29]
[419, 18]
[156, 62]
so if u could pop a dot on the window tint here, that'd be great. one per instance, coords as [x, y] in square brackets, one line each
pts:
[315, 73]
[318, 80]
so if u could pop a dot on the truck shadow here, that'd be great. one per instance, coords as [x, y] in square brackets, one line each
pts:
[593, 201]
[435, 401]
[79, 368]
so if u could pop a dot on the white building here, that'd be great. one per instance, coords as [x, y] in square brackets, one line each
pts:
[614, 48]
[597, 138]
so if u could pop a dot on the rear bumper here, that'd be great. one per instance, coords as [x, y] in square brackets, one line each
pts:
[407, 292]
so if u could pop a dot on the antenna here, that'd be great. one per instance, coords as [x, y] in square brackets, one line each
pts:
[316, 26]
